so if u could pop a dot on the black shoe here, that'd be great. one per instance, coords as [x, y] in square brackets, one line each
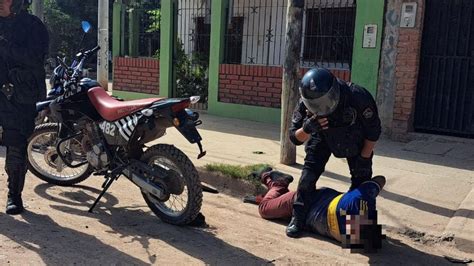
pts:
[379, 179]
[14, 205]
[259, 173]
[357, 181]
[293, 230]
[250, 199]
[16, 180]
[281, 178]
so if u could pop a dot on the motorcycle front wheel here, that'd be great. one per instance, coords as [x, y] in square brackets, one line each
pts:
[179, 209]
[45, 163]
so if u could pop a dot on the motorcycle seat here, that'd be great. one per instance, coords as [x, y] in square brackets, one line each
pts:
[112, 109]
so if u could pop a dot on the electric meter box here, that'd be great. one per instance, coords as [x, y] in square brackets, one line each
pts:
[408, 16]
[370, 36]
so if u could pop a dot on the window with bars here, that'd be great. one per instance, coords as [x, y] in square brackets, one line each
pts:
[203, 37]
[234, 41]
[329, 36]
[256, 32]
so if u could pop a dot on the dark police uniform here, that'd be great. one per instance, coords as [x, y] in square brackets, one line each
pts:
[354, 120]
[23, 48]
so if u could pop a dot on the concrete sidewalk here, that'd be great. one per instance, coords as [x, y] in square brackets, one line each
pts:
[429, 193]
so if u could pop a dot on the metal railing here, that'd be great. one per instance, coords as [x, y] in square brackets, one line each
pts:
[255, 32]
[256, 29]
[328, 33]
[149, 13]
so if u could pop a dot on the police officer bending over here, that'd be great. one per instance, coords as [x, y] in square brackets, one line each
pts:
[334, 117]
[23, 48]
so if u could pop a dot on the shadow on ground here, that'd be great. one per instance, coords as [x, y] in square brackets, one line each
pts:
[385, 147]
[53, 243]
[142, 227]
[415, 203]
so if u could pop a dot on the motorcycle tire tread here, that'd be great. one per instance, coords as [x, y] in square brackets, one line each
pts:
[194, 185]
[49, 127]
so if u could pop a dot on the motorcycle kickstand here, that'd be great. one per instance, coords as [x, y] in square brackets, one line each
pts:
[105, 187]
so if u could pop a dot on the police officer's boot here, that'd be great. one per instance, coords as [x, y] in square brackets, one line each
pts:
[296, 226]
[16, 180]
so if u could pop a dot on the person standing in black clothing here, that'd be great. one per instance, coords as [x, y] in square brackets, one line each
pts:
[24, 45]
[332, 117]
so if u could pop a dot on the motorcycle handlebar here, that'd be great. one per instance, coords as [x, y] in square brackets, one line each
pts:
[93, 50]
[61, 62]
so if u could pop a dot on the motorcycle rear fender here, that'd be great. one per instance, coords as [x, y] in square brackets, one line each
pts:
[175, 112]
[187, 125]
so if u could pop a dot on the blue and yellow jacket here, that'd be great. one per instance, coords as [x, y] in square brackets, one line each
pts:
[329, 208]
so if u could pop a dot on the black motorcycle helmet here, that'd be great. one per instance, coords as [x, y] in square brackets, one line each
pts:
[320, 91]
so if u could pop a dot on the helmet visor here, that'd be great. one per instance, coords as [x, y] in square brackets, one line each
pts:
[325, 104]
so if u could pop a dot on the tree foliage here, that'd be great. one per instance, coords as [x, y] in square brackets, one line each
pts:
[63, 20]
[191, 73]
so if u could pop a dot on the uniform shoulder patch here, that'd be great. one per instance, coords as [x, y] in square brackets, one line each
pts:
[296, 117]
[368, 113]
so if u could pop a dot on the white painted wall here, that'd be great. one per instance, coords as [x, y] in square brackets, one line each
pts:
[188, 10]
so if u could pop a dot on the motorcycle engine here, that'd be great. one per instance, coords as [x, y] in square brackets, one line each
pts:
[94, 147]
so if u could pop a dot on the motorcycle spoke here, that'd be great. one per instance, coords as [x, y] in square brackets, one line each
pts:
[42, 156]
[176, 204]
[180, 200]
[172, 205]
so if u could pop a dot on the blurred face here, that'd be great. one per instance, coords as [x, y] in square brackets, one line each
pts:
[362, 232]
[5, 6]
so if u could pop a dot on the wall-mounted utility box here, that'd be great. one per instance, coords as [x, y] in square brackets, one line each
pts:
[408, 16]
[370, 36]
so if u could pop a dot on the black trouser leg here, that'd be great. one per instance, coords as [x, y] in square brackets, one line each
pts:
[356, 177]
[15, 166]
[315, 161]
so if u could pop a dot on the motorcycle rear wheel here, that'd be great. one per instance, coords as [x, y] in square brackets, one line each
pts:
[190, 200]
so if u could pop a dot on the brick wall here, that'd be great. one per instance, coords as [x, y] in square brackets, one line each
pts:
[406, 75]
[256, 85]
[136, 75]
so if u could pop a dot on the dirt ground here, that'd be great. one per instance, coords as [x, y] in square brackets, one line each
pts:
[56, 229]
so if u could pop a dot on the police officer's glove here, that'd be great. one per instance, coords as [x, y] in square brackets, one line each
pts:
[362, 167]
[311, 125]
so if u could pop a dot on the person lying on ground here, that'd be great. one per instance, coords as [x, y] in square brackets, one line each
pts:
[350, 218]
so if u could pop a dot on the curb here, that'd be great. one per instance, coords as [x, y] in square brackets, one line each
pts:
[459, 222]
[233, 187]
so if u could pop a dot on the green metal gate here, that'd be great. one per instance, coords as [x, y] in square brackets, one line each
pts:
[192, 27]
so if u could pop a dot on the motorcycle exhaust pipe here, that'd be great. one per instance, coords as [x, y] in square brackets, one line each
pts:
[139, 178]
